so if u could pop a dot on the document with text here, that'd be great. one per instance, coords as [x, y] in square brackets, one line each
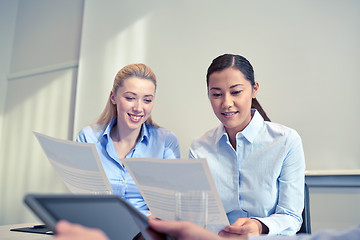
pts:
[159, 179]
[77, 164]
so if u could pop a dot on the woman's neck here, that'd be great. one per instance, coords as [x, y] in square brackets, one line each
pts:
[232, 132]
[232, 138]
[119, 134]
[124, 139]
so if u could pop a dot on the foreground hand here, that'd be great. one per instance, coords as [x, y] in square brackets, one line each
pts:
[69, 231]
[181, 230]
[243, 226]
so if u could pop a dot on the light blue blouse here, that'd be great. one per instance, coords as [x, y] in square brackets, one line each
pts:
[154, 142]
[262, 178]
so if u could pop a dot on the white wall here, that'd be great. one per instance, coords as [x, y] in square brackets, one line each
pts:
[334, 199]
[334, 208]
[40, 80]
[8, 11]
[305, 55]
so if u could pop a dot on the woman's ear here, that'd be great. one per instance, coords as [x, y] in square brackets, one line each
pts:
[255, 89]
[112, 98]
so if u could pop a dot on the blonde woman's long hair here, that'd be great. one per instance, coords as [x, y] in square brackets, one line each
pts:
[133, 70]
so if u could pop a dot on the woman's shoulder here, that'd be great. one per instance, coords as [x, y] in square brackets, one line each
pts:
[277, 129]
[90, 133]
[160, 132]
[208, 137]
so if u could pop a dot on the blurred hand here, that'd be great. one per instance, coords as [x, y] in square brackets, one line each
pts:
[69, 231]
[181, 230]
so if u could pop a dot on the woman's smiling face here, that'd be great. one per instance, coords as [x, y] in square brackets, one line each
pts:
[231, 94]
[134, 101]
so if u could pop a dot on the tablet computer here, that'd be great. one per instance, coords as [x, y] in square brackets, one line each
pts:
[110, 213]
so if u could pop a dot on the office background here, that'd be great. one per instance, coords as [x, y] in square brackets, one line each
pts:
[59, 58]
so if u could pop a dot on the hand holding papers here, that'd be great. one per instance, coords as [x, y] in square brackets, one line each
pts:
[77, 164]
[159, 179]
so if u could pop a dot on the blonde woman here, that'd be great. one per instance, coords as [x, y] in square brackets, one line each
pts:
[125, 130]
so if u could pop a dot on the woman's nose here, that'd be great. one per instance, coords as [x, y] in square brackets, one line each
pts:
[137, 106]
[227, 102]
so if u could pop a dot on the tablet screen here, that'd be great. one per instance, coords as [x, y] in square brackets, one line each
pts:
[110, 213]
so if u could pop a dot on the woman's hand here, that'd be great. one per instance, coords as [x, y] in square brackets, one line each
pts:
[244, 226]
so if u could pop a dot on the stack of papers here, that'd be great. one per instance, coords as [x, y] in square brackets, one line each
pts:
[79, 166]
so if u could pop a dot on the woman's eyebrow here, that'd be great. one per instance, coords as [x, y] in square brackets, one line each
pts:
[132, 93]
[237, 85]
[233, 86]
[215, 88]
[129, 92]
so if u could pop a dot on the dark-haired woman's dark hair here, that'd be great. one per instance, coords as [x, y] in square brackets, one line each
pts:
[243, 65]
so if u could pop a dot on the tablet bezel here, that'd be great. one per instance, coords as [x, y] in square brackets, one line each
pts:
[36, 203]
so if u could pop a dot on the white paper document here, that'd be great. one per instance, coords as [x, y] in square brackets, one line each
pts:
[159, 179]
[77, 164]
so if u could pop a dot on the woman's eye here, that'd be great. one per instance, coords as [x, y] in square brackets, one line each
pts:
[236, 92]
[129, 98]
[148, 100]
[216, 95]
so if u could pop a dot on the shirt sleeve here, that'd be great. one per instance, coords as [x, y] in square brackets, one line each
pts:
[192, 153]
[287, 217]
[88, 135]
[81, 136]
[172, 149]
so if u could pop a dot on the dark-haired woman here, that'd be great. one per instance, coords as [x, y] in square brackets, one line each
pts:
[258, 166]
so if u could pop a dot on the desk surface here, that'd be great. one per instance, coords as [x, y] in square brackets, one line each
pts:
[6, 234]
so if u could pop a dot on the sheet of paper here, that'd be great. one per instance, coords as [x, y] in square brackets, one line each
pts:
[77, 164]
[159, 179]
